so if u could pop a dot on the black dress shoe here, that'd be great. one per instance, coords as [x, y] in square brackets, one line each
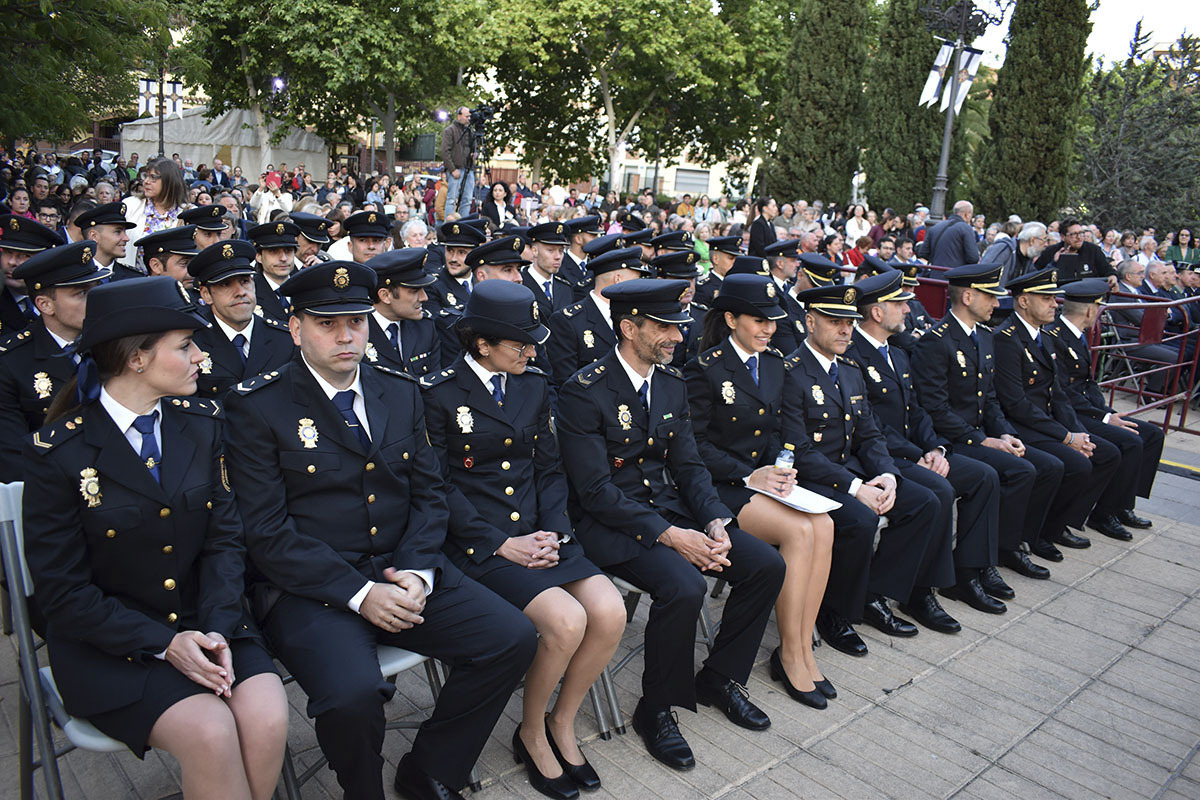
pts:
[973, 594]
[1043, 549]
[1109, 526]
[813, 698]
[581, 774]
[560, 788]
[878, 612]
[414, 784]
[924, 607]
[993, 584]
[1131, 520]
[732, 699]
[826, 688]
[1068, 539]
[660, 731]
[1018, 561]
[838, 633]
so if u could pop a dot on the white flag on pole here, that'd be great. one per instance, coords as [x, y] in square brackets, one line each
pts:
[933, 84]
[970, 61]
[147, 97]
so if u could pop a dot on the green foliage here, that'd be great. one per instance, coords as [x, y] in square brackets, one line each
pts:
[821, 111]
[1138, 164]
[1026, 165]
[67, 62]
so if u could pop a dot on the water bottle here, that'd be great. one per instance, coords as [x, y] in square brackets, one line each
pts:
[786, 457]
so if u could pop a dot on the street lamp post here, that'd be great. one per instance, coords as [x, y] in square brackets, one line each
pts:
[967, 22]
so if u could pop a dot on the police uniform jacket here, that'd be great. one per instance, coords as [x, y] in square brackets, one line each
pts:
[563, 294]
[12, 318]
[708, 286]
[916, 322]
[795, 321]
[1074, 362]
[269, 303]
[323, 514]
[501, 465]
[686, 350]
[736, 422]
[627, 469]
[834, 433]
[955, 383]
[445, 292]
[420, 346]
[1027, 384]
[32, 369]
[907, 427]
[576, 274]
[579, 335]
[270, 347]
[121, 562]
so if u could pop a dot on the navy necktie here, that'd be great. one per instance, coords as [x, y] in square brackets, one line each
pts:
[498, 390]
[833, 372]
[345, 405]
[239, 342]
[393, 333]
[644, 395]
[752, 363]
[467, 285]
[546, 287]
[975, 339]
[149, 453]
[287, 306]
[883, 351]
[27, 309]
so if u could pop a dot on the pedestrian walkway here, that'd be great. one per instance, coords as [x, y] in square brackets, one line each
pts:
[1088, 687]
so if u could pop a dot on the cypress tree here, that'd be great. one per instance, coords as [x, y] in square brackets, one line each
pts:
[1025, 166]
[821, 108]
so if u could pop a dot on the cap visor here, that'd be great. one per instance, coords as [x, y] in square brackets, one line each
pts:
[343, 309]
[677, 318]
[419, 283]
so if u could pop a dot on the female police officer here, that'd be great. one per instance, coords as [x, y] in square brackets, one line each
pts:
[137, 554]
[735, 390]
[489, 417]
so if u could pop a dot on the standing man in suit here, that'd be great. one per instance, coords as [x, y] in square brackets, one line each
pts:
[275, 244]
[107, 227]
[722, 250]
[965, 567]
[20, 238]
[1033, 399]
[542, 277]
[238, 344]
[954, 367]
[345, 516]
[403, 335]
[1140, 442]
[841, 454]
[762, 230]
[646, 511]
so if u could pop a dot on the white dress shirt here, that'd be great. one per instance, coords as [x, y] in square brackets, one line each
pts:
[230, 333]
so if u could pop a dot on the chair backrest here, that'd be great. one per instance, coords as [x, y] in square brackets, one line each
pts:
[10, 511]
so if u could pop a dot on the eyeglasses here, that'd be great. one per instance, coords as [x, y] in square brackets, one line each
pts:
[151, 176]
[1074, 233]
[52, 216]
[519, 350]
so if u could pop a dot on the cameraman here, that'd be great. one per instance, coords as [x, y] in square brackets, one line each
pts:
[458, 142]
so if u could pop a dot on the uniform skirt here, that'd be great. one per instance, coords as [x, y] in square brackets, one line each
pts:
[166, 686]
[734, 495]
[519, 585]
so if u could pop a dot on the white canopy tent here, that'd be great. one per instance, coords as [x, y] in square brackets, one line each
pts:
[230, 137]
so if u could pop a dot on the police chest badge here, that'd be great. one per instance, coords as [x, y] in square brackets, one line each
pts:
[42, 385]
[465, 419]
[727, 393]
[962, 359]
[451, 299]
[817, 436]
[206, 364]
[818, 394]
[874, 373]
[372, 353]
[307, 433]
[624, 417]
[589, 339]
[89, 487]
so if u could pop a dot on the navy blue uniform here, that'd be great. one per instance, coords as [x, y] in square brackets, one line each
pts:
[579, 335]
[32, 369]
[561, 289]
[271, 347]
[420, 351]
[270, 303]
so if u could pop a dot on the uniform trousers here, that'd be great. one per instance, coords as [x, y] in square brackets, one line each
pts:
[677, 590]
[1084, 481]
[906, 546]
[331, 652]
[1027, 485]
[1140, 453]
[977, 489]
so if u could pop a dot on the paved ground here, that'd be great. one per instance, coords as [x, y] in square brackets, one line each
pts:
[1088, 687]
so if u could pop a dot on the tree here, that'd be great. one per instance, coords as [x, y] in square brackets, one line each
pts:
[1137, 161]
[69, 62]
[1026, 165]
[821, 109]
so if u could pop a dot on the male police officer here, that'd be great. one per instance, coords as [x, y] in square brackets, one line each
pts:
[20, 238]
[239, 344]
[107, 227]
[168, 252]
[403, 335]
[452, 285]
[314, 234]
[722, 250]
[345, 516]
[275, 243]
[681, 265]
[574, 269]
[208, 224]
[647, 512]
[550, 289]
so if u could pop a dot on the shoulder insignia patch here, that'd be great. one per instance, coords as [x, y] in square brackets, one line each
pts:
[438, 377]
[573, 309]
[394, 372]
[193, 405]
[255, 383]
[774, 352]
[791, 363]
[672, 371]
[274, 323]
[531, 369]
[56, 433]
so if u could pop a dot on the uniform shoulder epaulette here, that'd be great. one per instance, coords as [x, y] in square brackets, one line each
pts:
[702, 307]
[573, 309]
[558, 277]
[773, 352]
[1007, 330]
[15, 340]
[56, 433]
[589, 375]
[395, 373]
[987, 328]
[704, 278]
[532, 370]
[937, 330]
[674, 372]
[425, 314]
[440, 376]
[710, 356]
[1051, 329]
[791, 362]
[274, 323]
[257, 382]
[194, 405]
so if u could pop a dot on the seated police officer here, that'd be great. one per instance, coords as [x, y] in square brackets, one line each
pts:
[107, 227]
[345, 514]
[646, 511]
[581, 231]
[722, 250]
[784, 339]
[551, 290]
[681, 265]
[1032, 397]
[954, 369]
[208, 223]
[168, 252]
[275, 245]
[314, 234]
[841, 454]
[402, 334]
[1140, 442]
[239, 344]
[452, 285]
[921, 455]
[35, 363]
[783, 259]
[918, 320]
[20, 238]
[367, 232]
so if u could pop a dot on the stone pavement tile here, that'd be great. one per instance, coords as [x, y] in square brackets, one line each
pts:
[1061, 643]
[1174, 643]
[1100, 615]
[1132, 593]
[806, 770]
[1159, 572]
[876, 766]
[628, 771]
[1102, 551]
[889, 664]
[1182, 551]
[1169, 722]
[783, 783]
[1031, 762]
[1182, 789]
[1192, 770]
[1068, 571]
[1148, 676]
[1119, 733]
[733, 749]
[1187, 616]
[1171, 508]
[999, 783]
[796, 723]
[950, 761]
[932, 647]
[1091, 763]
[1021, 676]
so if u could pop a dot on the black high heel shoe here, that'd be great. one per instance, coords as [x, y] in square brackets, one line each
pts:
[582, 774]
[826, 688]
[560, 788]
[811, 698]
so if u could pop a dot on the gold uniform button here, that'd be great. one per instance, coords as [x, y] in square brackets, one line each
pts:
[733, 419]
[169, 584]
[762, 411]
[979, 393]
[505, 465]
[981, 374]
[508, 490]
[168, 549]
[650, 440]
[639, 537]
[172, 617]
[758, 433]
[885, 390]
[754, 454]
[626, 441]
[370, 466]
[847, 418]
[374, 530]
[825, 416]
[110, 533]
[404, 456]
[312, 468]
[508, 442]
[470, 551]
[164, 512]
[466, 448]
[671, 435]
[370, 498]
[514, 516]
[208, 505]
[645, 481]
